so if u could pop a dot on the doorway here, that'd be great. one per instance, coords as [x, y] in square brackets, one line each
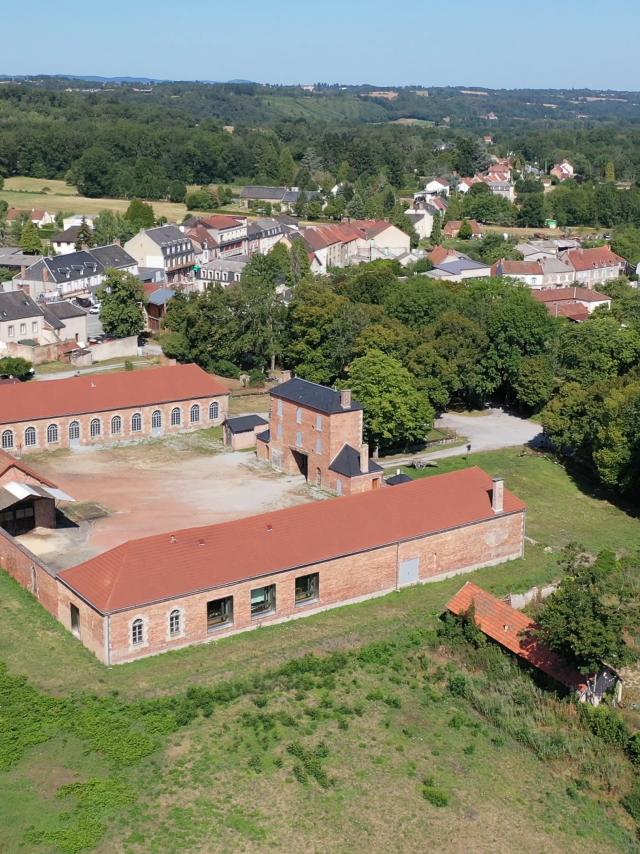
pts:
[75, 619]
[302, 461]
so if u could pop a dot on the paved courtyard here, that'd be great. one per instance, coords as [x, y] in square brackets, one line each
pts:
[140, 490]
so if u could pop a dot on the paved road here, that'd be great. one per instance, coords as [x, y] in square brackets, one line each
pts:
[496, 429]
[94, 369]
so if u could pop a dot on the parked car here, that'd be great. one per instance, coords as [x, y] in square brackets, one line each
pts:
[95, 309]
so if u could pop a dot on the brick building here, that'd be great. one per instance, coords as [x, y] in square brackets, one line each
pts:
[185, 587]
[96, 409]
[27, 498]
[317, 431]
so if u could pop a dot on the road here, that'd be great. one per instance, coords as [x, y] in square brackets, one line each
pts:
[94, 369]
[489, 432]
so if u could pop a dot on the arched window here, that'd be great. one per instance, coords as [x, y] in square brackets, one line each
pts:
[96, 428]
[137, 632]
[52, 434]
[116, 425]
[74, 430]
[136, 423]
[214, 410]
[30, 437]
[7, 440]
[174, 623]
[176, 417]
[194, 415]
[156, 420]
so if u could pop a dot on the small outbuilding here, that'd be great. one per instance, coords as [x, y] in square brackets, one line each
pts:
[242, 432]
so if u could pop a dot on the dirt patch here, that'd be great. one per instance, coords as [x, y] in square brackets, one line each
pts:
[154, 487]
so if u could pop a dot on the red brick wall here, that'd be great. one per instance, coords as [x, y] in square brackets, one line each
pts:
[93, 626]
[28, 571]
[343, 580]
[125, 414]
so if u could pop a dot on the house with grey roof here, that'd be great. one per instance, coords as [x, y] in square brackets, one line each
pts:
[285, 197]
[22, 319]
[263, 234]
[163, 246]
[459, 269]
[222, 271]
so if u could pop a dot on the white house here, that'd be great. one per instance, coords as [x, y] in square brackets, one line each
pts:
[164, 247]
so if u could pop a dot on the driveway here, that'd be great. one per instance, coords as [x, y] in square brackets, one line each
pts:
[486, 431]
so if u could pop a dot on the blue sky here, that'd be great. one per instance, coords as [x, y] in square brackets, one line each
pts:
[548, 43]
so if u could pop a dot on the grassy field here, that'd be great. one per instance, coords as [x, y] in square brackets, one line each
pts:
[244, 745]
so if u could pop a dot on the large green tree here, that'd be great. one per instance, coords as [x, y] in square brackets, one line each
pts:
[396, 412]
[140, 214]
[30, 241]
[121, 297]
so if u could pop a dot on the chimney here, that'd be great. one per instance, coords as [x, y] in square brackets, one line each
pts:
[285, 376]
[364, 459]
[497, 495]
[345, 398]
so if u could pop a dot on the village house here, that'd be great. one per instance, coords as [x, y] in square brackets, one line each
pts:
[98, 409]
[242, 431]
[263, 235]
[156, 307]
[23, 320]
[65, 241]
[556, 273]
[38, 216]
[221, 271]
[165, 247]
[452, 229]
[197, 585]
[27, 498]
[528, 272]
[317, 431]
[594, 266]
[14, 260]
[459, 269]
[422, 219]
[573, 302]
[563, 171]
[284, 198]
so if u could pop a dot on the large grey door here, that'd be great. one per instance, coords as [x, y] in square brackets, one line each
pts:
[408, 571]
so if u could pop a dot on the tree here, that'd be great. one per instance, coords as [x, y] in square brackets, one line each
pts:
[201, 200]
[110, 226]
[436, 231]
[121, 297]
[356, 207]
[418, 301]
[626, 242]
[470, 157]
[30, 241]
[598, 349]
[140, 215]
[287, 166]
[95, 172]
[396, 413]
[594, 607]
[85, 235]
[534, 382]
[465, 232]
[14, 366]
[402, 221]
[532, 212]
[177, 191]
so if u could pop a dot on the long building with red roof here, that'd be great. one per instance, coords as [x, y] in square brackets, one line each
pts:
[94, 409]
[191, 586]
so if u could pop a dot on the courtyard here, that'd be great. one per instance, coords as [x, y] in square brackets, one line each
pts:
[123, 493]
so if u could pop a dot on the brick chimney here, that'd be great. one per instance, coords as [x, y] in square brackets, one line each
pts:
[364, 459]
[345, 398]
[497, 495]
[285, 376]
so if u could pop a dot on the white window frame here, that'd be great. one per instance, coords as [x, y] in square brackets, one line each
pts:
[8, 441]
[137, 622]
[135, 419]
[95, 434]
[214, 410]
[195, 413]
[53, 434]
[30, 431]
[179, 632]
[176, 416]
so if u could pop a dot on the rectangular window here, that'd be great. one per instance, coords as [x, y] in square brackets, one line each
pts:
[319, 423]
[298, 440]
[263, 601]
[23, 329]
[279, 403]
[11, 332]
[75, 619]
[280, 431]
[298, 416]
[318, 446]
[307, 588]
[219, 613]
[34, 326]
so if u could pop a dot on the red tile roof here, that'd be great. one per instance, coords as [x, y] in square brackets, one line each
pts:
[512, 630]
[588, 259]
[176, 564]
[200, 234]
[452, 227]
[508, 267]
[220, 221]
[439, 253]
[103, 392]
[573, 310]
[569, 294]
[34, 213]
[8, 462]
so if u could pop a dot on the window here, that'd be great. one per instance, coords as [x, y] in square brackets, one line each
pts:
[298, 416]
[339, 487]
[75, 619]
[280, 407]
[219, 613]
[175, 623]
[23, 329]
[298, 440]
[11, 331]
[176, 417]
[7, 440]
[280, 431]
[263, 600]
[95, 428]
[194, 415]
[74, 431]
[136, 423]
[156, 420]
[116, 425]
[52, 434]
[318, 446]
[214, 410]
[307, 588]
[30, 437]
[137, 632]
[319, 423]
[34, 327]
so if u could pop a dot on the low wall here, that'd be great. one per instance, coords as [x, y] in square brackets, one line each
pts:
[118, 348]
[29, 571]
[40, 354]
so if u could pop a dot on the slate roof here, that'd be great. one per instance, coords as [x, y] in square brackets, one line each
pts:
[12, 256]
[16, 305]
[272, 194]
[460, 265]
[265, 436]
[318, 397]
[397, 479]
[69, 235]
[161, 296]
[512, 629]
[112, 255]
[244, 423]
[64, 310]
[177, 563]
[163, 234]
[347, 463]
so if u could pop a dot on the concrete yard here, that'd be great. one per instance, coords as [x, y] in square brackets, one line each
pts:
[152, 488]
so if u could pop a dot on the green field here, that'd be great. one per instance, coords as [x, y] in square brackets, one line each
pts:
[244, 745]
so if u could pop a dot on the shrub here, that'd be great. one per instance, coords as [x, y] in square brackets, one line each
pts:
[632, 802]
[436, 796]
[606, 723]
[633, 748]
[225, 369]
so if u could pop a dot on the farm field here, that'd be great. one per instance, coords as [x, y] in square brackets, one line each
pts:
[342, 732]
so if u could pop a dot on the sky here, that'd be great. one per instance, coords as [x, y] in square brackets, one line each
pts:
[494, 43]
